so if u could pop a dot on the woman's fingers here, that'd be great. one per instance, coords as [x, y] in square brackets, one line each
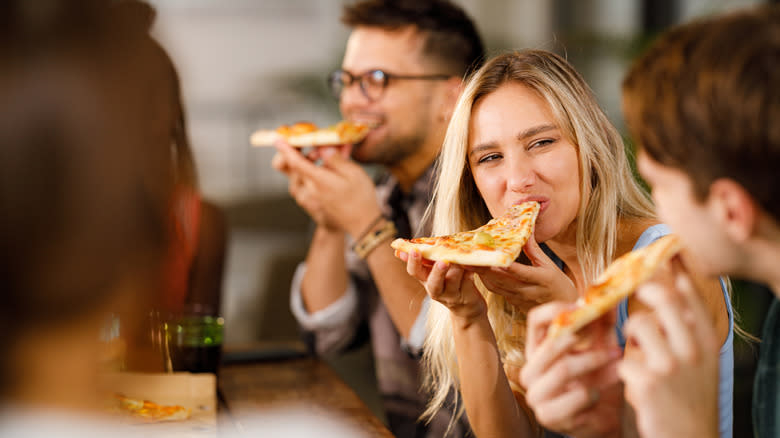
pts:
[516, 273]
[415, 267]
[435, 281]
[452, 295]
[443, 281]
[536, 254]
[531, 283]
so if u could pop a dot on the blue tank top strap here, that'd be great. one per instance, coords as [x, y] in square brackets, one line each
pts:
[650, 235]
[726, 372]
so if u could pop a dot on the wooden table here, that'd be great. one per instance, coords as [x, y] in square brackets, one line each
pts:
[309, 383]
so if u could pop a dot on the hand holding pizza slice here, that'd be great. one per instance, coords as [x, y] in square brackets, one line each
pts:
[617, 282]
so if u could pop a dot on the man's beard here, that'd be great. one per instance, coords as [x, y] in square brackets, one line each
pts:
[391, 151]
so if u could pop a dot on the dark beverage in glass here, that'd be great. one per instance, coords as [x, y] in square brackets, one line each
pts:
[196, 359]
[195, 343]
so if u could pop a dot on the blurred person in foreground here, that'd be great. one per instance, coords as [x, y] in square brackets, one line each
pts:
[704, 106]
[83, 205]
[86, 185]
[191, 282]
[401, 74]
[192, 268]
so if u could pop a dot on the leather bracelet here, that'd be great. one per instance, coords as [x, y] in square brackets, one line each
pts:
[370, 227]
[372, 239]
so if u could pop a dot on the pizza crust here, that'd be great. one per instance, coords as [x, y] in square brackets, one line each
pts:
[616, 283]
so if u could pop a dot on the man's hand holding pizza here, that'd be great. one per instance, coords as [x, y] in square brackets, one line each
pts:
[341, 197]
[672, 383]
[338, 195]
[571, 381]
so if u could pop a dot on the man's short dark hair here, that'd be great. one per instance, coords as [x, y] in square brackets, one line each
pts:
[451, 38]
[705, 99]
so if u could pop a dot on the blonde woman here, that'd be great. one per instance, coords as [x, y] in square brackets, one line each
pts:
[527, 127]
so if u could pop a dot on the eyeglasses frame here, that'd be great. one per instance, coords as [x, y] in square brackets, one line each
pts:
[386, 75]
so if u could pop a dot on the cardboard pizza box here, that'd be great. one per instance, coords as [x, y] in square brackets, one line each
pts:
[195, 391]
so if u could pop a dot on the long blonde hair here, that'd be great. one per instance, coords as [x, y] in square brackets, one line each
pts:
[608, 192]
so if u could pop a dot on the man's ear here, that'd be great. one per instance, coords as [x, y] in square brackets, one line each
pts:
[454, 86]
[734, 207]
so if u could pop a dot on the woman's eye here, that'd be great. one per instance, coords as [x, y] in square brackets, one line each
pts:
[489, 157]
[541, 143]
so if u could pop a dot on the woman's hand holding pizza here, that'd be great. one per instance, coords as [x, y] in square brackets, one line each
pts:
[571, 381]
[526, 286]
[448, 284]
[674, 379]
[338, 195]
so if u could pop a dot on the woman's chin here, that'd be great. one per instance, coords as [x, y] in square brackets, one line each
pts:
[543, 233]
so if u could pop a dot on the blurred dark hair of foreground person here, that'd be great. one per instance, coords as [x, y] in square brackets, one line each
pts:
[83, 195]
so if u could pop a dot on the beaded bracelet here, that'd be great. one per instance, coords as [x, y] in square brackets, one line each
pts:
[372, 239]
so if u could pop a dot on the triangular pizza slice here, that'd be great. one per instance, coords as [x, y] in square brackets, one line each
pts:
[618, 281]
[497, 243]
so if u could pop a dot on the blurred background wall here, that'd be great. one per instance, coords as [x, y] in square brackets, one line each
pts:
[249, 64]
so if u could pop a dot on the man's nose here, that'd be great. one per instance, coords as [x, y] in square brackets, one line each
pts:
[352, 97]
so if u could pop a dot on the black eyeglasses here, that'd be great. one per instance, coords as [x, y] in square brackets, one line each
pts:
[372, 83]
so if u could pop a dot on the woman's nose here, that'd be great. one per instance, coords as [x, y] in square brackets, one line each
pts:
[521, 176]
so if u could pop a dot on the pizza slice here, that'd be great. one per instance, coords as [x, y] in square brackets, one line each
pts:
[304, 134]
[497, 243]
[617, 282]
[152, 412]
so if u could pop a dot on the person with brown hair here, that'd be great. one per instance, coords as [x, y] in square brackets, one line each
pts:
[704, 106]
[83, 198]
[401, 74]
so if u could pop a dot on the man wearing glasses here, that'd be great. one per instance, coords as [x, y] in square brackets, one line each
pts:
[401, 74]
